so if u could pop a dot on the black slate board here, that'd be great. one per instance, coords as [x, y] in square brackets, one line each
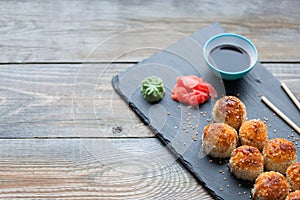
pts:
[168, 119]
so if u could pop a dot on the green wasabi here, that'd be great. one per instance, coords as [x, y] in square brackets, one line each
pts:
[153, 89]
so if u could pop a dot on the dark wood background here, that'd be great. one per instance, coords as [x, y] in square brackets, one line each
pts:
[48, 150]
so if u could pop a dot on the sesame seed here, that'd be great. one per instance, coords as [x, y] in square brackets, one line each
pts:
[168, 113]
[228, 186]
[210, 161]
[274, 130]
[245, 192]
[240, 185]
[240, 193]
[225, 178]
[221, 189]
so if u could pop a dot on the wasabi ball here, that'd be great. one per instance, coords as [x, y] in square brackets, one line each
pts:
[153, 89]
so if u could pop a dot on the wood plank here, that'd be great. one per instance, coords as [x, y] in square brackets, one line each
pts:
[287, 73]
[36, 101]
[48, 101]
[85, 169]
[66, 31]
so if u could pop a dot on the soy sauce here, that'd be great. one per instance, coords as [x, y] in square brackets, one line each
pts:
[229, 58]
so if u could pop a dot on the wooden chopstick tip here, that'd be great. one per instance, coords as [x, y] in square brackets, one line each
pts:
[290, 94]
[280, 114]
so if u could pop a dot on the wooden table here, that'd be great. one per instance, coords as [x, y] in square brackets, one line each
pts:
[65, 134]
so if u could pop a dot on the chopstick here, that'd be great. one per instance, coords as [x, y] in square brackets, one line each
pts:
[280, 114]
[290, 94]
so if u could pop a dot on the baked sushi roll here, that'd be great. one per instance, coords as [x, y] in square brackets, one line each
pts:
[293, 176]
[246, 162]
[270, 186]
[254, 133]
[230, 110]
[293, 195]
[279, 154]
[219, 140]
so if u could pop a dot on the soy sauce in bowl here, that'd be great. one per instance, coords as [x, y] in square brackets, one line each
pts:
[229, 58]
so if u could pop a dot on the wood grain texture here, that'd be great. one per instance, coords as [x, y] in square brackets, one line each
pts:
[55, 119]
[84, 169]
[78, 101]
[66, 31]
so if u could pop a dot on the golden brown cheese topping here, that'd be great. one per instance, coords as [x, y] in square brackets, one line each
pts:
[294, 195]
[271, 185]
[280, 149]
[255, 130]
[232, 110]
[247, 156]
[222, 135]
[293, 172]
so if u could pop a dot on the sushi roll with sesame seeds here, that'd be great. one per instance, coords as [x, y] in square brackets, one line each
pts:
[279, 154]
[246, 162]
[219, 140]
[294, 195]
[254, 133]
[270, 186]
[293, 176]
[230, 110]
